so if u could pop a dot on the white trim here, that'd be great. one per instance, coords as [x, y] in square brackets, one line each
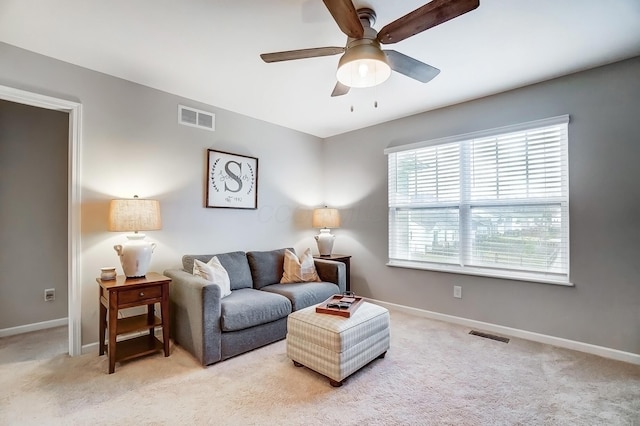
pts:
[480, 272]
[91, 348]
[74, 181]
[12, 331]
[602, 351]
[561, 119]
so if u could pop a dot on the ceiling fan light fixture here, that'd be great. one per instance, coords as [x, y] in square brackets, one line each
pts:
[364, 65]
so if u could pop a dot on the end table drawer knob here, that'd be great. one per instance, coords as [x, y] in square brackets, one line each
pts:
[141, 294]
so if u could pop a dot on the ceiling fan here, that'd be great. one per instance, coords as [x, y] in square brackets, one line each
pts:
[364, 63]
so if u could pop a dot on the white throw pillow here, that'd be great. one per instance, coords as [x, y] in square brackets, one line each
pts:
[213, 271]
[299, 270]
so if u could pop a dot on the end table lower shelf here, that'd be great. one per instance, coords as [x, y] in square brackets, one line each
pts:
[137, 347]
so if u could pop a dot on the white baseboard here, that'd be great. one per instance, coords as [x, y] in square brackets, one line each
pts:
[90, 348]
[33, 327]
[522, 334]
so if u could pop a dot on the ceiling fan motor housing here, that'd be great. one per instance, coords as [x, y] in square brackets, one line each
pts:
[367, 17]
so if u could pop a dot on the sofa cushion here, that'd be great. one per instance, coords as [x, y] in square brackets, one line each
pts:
[213, 271]
[302, 295]
[247, 308]
[299, 270]
[235, 263]
[266, 266]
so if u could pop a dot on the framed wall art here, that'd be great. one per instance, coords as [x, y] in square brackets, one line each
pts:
[232, 180]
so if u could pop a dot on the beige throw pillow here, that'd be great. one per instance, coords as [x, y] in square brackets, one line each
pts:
[299, 270]
[213, 271]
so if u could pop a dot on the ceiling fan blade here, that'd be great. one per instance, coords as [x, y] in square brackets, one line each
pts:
[289, 55]
[428, 16]
[340, 89]
[411, 67]
[345, 15]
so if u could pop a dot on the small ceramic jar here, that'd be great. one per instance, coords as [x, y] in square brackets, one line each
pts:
[108, 273]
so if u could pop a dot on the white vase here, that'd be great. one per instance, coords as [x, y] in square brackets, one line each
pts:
[325, 241]
[135, 255]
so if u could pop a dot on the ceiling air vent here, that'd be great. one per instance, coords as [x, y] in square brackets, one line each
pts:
[196, 118]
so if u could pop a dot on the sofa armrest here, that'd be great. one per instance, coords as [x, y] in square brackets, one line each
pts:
[195, 315]
[333, 272]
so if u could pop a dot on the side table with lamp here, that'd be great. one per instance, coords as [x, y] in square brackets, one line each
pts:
[325, 219]
[135, 288]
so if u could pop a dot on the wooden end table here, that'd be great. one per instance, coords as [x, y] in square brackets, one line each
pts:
[344, 258]
[124, 293]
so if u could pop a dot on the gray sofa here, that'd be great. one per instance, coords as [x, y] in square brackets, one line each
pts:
[255, 314]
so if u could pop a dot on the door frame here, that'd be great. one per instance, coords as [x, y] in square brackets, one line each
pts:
[74, 109]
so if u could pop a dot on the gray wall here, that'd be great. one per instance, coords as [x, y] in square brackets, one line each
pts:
[33, 213]
[132, 144]
[604, 149]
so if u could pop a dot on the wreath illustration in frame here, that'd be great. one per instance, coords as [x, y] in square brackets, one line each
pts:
[232, 180]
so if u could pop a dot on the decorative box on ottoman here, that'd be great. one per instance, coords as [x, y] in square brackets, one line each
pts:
[336, 346]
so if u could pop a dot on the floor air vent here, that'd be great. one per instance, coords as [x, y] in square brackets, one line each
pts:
[489, 336]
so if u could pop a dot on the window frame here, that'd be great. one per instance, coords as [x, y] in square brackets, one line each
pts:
[465, 204]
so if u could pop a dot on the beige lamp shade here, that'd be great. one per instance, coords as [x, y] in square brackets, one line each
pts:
[133, 215]
[326, 218]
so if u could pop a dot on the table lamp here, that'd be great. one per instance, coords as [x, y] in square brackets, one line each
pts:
[325, 219]
[133, 215]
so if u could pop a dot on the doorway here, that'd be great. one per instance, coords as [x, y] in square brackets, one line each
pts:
[74, 110]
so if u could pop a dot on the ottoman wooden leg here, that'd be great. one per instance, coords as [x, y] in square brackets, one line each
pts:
[334, 383]
[382, 354]
[297, 364]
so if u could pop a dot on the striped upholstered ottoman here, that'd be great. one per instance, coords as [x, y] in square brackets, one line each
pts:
[335, 346]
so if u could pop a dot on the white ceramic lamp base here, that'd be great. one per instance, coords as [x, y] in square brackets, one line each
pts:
[135, 255]
[325, 242]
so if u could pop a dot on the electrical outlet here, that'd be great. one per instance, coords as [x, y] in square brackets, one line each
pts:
[49, 294]
[457, 291]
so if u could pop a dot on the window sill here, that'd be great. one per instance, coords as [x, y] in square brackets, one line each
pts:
[508, 275]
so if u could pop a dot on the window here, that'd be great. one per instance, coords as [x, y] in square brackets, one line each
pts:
[489, 203]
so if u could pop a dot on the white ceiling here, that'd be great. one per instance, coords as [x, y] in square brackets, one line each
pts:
[208, 51]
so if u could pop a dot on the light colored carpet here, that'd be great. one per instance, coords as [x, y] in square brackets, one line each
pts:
[38, 345]
[434, 374]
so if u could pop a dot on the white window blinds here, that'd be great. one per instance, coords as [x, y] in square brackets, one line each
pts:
[491, 203]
